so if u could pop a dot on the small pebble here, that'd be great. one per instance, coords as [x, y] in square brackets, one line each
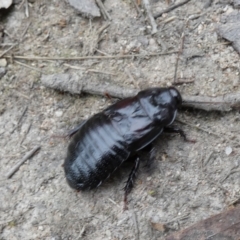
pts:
[40, 228]
[3, 62]
[59, 113]
[228, 150]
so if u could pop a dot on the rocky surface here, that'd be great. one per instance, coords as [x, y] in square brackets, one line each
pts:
[86, 7]
[189, 182]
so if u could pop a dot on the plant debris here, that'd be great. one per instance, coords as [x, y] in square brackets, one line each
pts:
[225, 225]
[76, 84]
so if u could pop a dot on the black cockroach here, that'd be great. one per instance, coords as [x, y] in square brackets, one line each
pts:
[107, 139]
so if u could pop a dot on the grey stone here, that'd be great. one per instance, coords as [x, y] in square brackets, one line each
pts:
[236, 3]
[5, 3]
[3, 62]
[2, 72]
[86, 7]
[230, 29]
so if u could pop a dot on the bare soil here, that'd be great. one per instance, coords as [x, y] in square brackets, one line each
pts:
[190, 182]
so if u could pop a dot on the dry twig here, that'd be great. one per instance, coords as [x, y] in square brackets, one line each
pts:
[232, 171]
[169, 9]
[135, 222]
[113, 202]
[27, 131]
[222, 103]
[20, 119]
[105, 26]
[181, 81]
[82, 232]
[24, 32]
[20, 94]
[137, 7]
[208, 158]
[134, 218]
[24, 159]
[103, 53]
[99, 71]
[150, 16]
[180, 51]
[199, 128]
[76, 85]
[9, 34]
[26, 8]
[131, 77]
[3, 53]
[89, 69]
[186, 215]
[6, 44]
[27, 66]
[103, 10]
[15, 44]
[89, 57]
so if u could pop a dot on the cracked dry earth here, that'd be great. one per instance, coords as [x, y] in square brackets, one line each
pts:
[189, 182]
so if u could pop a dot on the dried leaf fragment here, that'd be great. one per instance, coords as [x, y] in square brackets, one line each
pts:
[224, 226]
[159, 227]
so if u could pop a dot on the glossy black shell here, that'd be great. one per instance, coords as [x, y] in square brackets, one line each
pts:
[107, 139]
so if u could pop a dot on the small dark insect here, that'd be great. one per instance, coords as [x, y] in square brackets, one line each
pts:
[107, 139]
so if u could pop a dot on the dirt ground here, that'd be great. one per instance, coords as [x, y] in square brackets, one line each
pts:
[190, 182]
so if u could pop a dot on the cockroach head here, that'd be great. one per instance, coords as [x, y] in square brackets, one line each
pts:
[165, 97]
[153, 99]
[176, 95]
